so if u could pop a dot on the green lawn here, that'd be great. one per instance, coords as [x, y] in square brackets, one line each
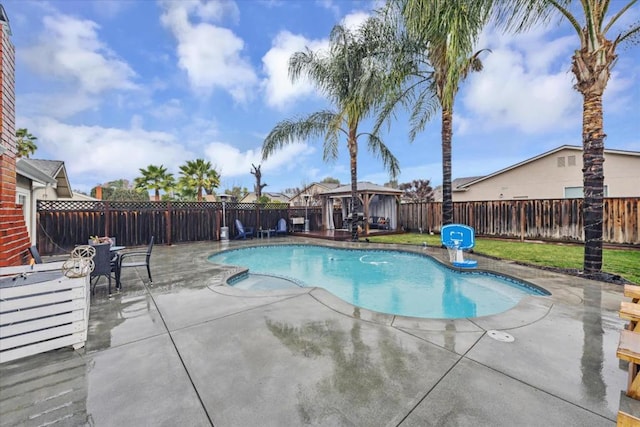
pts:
[624, 262]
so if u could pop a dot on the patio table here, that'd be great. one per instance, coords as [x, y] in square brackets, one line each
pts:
[267, 232]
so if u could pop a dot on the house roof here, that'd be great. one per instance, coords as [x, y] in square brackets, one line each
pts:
[4, 20]
[53, 169]
[576, 148]
[31, 172]
[363, 187]
[273, 196]
[327, 185]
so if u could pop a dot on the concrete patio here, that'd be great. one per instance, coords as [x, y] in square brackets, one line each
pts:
[191, 351]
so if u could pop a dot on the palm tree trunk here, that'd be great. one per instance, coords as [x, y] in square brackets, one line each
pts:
[447, 197]
[353, 154]
[593, 180]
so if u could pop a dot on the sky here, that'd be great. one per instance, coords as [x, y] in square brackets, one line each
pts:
[112, 86]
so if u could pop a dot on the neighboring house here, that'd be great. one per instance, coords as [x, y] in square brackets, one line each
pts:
[41, 180]
[275, 197]
[313, 192]
[437, 192]
[556, 174]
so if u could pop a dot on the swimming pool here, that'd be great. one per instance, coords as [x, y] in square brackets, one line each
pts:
[387, 281]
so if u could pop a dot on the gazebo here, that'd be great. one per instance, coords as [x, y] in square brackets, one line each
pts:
[377, 201]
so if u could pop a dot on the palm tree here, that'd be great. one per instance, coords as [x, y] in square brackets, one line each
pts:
[199, 175]
[154, 178]
[348, 76]
[432, 56]
[591, 65]
[25, 142]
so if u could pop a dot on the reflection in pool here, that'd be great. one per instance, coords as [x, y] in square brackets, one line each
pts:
[393, 282]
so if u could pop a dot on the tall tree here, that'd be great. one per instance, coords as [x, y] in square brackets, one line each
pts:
[155, 178]
[199, 175]
[237, 193]
[25, 142]
[431, 56]
[347, 74]
[591, 64]
[418, 190]
[259, 185]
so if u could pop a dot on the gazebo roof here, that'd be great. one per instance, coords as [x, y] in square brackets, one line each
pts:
[363, 187]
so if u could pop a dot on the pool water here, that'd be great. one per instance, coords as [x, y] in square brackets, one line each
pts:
[393, 282]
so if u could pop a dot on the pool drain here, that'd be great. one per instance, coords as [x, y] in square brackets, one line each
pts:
[500, 336]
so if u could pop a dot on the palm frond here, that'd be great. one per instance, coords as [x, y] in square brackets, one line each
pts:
[379, 149]
[286, 132]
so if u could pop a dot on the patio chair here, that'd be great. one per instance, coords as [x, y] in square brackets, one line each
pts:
[104, 265]
[135, 259]
[37, 259]
[243, 232]
[281, 228]
[35, 255]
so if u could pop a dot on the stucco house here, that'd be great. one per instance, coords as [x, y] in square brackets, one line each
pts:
[41, 180]
[275, 197]
[313, 192]
[556, 174]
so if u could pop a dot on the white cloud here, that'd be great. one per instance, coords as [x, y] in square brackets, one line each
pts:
[169, 110]
[279, 90]
[97, 154]
[329, 5]
[209, 54]
[69, 50]
[354, 19]
[231, 162]
[525, 87]
[55, 105]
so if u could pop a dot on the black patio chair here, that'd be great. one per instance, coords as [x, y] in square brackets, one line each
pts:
[135, 259]
[35, 255]
[104, 265]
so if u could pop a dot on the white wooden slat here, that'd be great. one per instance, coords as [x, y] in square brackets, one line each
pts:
[47, 266]
[34, 313]
[59, 284]
[43, 316]
[71, 340]
[42, 299]
[32, 337]
[47, 322]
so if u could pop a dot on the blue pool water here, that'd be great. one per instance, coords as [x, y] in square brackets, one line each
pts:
[393, 282]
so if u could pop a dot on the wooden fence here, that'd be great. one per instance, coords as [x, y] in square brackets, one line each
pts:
[64, 224]
[547, 219]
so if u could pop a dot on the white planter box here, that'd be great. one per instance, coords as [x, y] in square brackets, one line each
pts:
[39, 315]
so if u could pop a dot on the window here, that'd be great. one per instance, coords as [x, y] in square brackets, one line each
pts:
[571, 160]
[22, 200]
[578, 193]
[560, 162]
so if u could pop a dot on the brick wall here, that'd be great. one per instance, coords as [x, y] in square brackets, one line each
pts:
[14, 238]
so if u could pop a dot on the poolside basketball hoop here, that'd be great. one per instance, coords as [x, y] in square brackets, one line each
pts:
[456, 238]
[455, 253]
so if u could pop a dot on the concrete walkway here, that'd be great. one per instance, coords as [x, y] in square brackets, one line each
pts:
[191, 351]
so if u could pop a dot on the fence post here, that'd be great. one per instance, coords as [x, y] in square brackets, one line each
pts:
[107, 218]
[522, 221]
[167, 230]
